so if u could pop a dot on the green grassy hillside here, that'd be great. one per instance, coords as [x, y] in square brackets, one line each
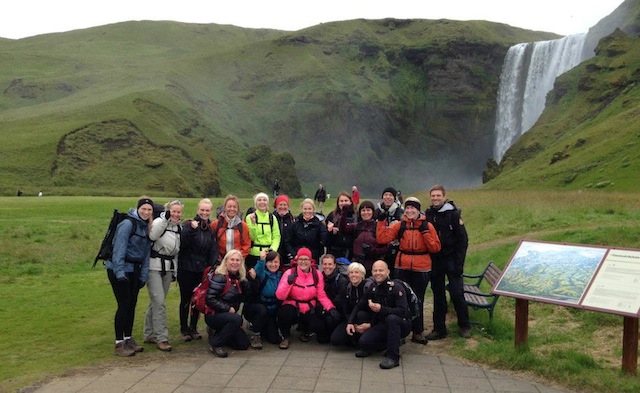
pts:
[178, 108]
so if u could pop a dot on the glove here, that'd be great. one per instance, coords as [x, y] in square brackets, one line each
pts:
[291, 279]
[383, 216]
[334, 314]
[141, 284]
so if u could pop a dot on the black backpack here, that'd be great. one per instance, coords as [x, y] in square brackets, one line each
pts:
[415, 305]
[106, 248]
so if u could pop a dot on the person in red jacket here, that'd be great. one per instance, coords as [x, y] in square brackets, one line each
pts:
[418, 239]
[230, 231]
[355, 195]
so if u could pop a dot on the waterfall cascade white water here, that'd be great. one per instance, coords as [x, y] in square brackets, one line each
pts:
[528, 73]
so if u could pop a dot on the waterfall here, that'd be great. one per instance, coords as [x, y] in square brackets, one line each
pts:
[528, 73]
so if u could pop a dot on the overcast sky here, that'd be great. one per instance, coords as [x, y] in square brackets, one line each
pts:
[24, 18]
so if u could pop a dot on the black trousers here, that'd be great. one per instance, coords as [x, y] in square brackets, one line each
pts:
[126, 293]
[288, 316]
[187, 282]
[419, 282]
[387, 334]
[261, 322]
[339, 337]
[439, 275]
[228, 330]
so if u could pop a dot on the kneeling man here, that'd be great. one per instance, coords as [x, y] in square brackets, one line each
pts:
[389, 308]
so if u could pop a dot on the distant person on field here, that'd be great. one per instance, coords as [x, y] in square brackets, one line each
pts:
[285, 219]
[128, 270]
[355, 196]
[227, 289]
[388, 308]
[40, 193]
[276, 188]
[264, 229]
[392, 210]
[321, 197]
[19, 192]
[418, 239]
[229, 230]
[165, 234]
[341, 224]
[448, 264]
[306, 231]
[198, 250]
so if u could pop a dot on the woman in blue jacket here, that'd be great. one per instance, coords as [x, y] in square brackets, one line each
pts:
[260, 311]
[128, 270]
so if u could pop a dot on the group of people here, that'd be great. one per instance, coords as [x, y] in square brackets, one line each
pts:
[341, 278]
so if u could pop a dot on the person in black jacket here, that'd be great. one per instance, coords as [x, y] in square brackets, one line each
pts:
[283, 214]
[306, 231]
[321, 197]
[355, 290]
[226, 291]
[198, 249]
[341, 224]
[389, 309]
[447, 264]
[393, 211]
[335, 284]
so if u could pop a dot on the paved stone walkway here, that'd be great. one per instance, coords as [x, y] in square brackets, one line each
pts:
[305, 367]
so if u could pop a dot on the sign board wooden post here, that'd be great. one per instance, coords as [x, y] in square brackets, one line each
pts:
[593, 278]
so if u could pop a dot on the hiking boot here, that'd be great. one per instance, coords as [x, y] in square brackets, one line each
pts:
[419, 338]
[150, 340]
[121, 350]
[388, 363]
[362, 353]
[133, 345]
[256, 341]
[434, 335]
[284, 344]
[186, 335]
[465, 332]
[164, 346]
[219, 352]
[195, 335]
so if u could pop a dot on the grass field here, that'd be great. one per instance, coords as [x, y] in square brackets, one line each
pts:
[56, 312]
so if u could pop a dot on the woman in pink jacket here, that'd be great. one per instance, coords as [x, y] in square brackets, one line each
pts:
[301, 290]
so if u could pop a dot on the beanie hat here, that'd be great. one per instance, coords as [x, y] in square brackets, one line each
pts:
[412, 201]
[391, 190]
[281, 198]
[304, 252]
[260, 195]
[144, 201]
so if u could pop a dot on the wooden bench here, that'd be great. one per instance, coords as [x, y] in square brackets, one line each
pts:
[474, 296]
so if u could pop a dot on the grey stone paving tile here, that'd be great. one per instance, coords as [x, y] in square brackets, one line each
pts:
[340, 374]
[196, 389]
[308, 361]
[247, 381]
[380, 387]
[550, 389]
[244, 390]
[295, 371]
[209, 380]
[471, 383]
[216, 367]
[258, 371]
[512, 385]
[457, 371]
[144, 387]
[425, 379]
[338, 385]
[112, 386]
[299, 383]
[266, 360]
[423, 389]
[183, 367]
[421, 359]
[392, 375]
[124, 375]
[340, 364]
[159, 377]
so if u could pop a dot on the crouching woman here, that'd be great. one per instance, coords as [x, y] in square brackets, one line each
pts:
[226, 291]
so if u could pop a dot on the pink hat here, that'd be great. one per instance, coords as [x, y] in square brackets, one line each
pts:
[281, 198]
[304, 252]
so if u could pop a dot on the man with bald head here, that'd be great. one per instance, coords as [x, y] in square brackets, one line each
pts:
[389, 309]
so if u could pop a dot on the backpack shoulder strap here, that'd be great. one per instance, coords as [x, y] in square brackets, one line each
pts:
[403, 228]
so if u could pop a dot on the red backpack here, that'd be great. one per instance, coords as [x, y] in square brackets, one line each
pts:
[199, 297]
